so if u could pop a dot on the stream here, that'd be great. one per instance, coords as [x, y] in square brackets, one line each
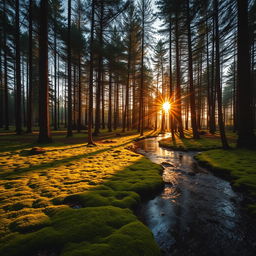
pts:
[196, 213]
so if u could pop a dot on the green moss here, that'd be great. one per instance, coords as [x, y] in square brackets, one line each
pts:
[107, 181]
[132, 239]
[120, 199]
[91, 225]
[30, 222]
[142, 177]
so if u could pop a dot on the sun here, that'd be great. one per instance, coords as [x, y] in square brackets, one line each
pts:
[166, 106]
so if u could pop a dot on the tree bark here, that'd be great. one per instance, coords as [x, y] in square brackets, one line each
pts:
[141, 108]
[90, 114]
[17, 68]
[217, 77]
[171, 80]
[69, 124]
[213, 89]
[55, 73]
[1, 90]
[110, 103]
[44, 121]
[178, 89]
[6, 89]
[191, 79]
[99, 84]
[126, 121]
[246, 137]
[30, 64]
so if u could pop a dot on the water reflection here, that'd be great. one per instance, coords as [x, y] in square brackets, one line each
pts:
[196, 213]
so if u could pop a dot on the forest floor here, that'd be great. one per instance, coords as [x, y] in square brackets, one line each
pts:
[71, 199]
[236, 165]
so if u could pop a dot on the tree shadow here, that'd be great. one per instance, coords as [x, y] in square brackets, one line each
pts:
[14, 142]
[57, 163]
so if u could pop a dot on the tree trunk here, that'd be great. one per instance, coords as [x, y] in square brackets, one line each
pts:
[213, 89]
[110, 103]
[191, 79]
[1, 90]
[23, 92]
[116, 117]
[178, 89]
[156, 101]
[134, 119]
[141, 108]
[208, 77]
[246, 137]
[163, 96]
[79, 121]
[6, 89]
[17, 68]
[69, 124]
[217, 77]
[99, 84]
[171, 81]
[126, 121]
[30, 75]
[90, 112]
[55, 74]
[103, 102]
[44, 122]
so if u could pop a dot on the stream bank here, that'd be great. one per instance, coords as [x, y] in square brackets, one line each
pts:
[197, 213]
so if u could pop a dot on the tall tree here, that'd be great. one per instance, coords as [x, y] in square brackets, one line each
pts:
[217, 77]
[191, 78]
[30, 68]
[44, 121]
[69, 125]
[246, 137]
[6, 89]
[178, 74]
[146, 21]
[17, 68]
[90, 114]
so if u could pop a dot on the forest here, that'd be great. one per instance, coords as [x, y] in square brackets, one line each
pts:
[101, 101]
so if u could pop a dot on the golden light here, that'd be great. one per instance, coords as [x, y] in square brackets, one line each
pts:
[166, 106]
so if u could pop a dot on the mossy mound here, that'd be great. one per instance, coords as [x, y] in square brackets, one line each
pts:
[30, 222]
[120, 199]
[142, 177]
[132, 239]
[88, 231]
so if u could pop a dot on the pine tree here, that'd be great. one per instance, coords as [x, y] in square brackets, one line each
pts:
[44, 122]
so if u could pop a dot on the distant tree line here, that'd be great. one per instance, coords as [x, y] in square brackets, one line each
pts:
[211, 56]
[93, 64]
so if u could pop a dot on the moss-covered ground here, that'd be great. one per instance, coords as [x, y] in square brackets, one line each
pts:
[73, 199]
[237, 165]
